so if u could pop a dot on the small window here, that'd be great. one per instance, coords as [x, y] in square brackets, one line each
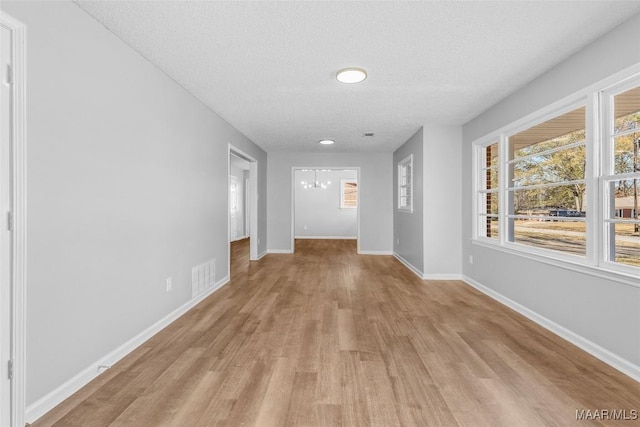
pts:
[488, 192]
[405, 184]
[348, 194]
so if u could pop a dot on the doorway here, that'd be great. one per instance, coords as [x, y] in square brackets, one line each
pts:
[12, 220]
[325, 203]
[243, 201]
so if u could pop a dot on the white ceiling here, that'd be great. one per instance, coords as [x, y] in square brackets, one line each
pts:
[269, 67]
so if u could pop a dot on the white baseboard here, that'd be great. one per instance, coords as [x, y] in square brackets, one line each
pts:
[408, 265]
[424, 276]
[442, 276]
[261, 255]
[55, 397]
[328, 237]
[611, 359]
[279, 251]
[375, 252]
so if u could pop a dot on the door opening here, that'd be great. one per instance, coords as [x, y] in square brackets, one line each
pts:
[243, 201]
[325, 204]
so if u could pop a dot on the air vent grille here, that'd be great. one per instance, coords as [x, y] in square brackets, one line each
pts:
[203, 277]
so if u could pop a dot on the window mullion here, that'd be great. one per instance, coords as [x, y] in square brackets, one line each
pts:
[503, 177]
[592, 171]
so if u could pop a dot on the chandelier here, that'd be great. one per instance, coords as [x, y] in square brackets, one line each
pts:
[315, 183]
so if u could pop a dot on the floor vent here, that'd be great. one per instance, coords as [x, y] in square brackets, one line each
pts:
[203, 277]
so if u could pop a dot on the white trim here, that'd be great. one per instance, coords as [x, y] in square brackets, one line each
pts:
[597, 173]
[293, 203]
[407, 264]
[261, 255]
[253, 204]
[401, 164]
[442, 276]
[279, 251]
[375, 252]
[424, 276]
[19, 202]
[577, 266]
[329, 237]
[55, 397]
[608, 357]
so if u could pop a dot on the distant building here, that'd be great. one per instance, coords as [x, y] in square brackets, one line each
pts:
[624, 207]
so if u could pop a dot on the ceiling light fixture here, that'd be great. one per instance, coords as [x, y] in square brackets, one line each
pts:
[327, 141]
[351, 75]
[315, 183]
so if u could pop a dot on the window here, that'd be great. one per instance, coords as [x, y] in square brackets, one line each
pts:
[564, 183]
[546, 188]
[405, 187]
[348, 194]
[489, 191]
[621, 180]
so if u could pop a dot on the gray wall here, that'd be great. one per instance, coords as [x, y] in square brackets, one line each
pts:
[442, 202]
[375, 195]
[408, 231]
[318, 212]
[603, 311]
[127, 185]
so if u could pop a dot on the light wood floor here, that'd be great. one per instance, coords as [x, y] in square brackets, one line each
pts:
[325, 337]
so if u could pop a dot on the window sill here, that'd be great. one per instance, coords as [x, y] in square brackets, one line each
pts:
[629, 279]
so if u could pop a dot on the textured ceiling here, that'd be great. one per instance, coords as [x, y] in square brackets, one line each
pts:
[269, 67]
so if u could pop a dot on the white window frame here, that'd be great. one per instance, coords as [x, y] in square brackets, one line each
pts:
[342, 183]
[407, 186]
[597, 142]
[478, 168]
[608, 176]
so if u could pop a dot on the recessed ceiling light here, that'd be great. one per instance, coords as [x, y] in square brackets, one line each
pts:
[326, 141]
[351, 75]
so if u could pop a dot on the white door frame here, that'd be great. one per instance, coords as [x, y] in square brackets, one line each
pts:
[233, 233]
[253, 204]
[293, 199]
[19, 214]
[247, 202]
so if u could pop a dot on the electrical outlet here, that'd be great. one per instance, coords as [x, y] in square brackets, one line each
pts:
[470, 259]
[169, 284]
[397, 241]
[304, 228]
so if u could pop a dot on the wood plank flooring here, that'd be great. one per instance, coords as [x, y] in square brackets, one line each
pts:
[325, 337]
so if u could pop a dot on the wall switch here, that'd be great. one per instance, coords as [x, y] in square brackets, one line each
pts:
[470, 259]
[169, 284]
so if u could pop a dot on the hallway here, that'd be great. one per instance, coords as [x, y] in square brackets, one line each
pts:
[327, 337]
